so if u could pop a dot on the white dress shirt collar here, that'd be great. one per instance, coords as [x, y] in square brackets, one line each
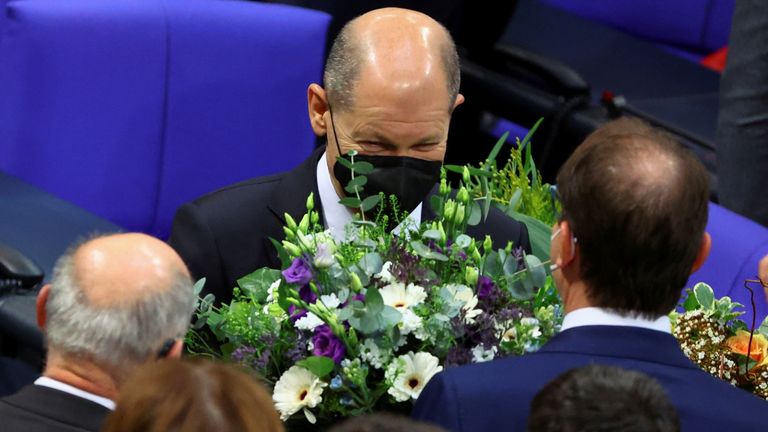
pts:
[337, 216]
[598, 316]
[66, 388]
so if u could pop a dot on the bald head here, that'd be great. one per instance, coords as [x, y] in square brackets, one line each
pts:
[122, 268]
[117, 299]
[394, 50]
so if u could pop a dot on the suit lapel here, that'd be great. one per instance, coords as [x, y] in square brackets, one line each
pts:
[290, 196]
[620, 341]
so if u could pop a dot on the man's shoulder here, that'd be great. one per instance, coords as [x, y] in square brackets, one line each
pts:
[240, 192]
[39, 408]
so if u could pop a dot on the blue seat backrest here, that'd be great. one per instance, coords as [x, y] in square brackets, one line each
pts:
[128, 108]
[697, 25]
[738, 244]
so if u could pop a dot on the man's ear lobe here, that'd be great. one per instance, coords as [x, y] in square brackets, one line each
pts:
[42, 300]
[701, 256]
[317, 105]
[176, 349]
[459, 101]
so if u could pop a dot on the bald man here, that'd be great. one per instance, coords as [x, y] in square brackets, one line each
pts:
[391, 84]
[114, 303]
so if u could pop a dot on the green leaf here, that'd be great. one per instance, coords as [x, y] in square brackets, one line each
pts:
[344, 162]
[358, 181]
[256, 284]
[536, 271]
[690, 303]
[345, 313]
[463, 241]
[704, 295]
[350, 202]
[370, 202]
[495, 151]
[521, 288]
[198, 288]
[437, 256]
[371, 263]
[509, 266]
[763, 329]
[538, 234]
[373, 300]
[475, 214]
[282, 254]
[354, 189]
[492, 267]
[321, 366]
[390, 316]
[459, 169]
[514, 202]
[436, 201]
[527, 139]
[362, 167]
[432, 234]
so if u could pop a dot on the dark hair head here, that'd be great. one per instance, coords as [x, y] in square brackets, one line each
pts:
[636, 200]
[598, 398]
[190, 396]
[345, 59]
[384, 423]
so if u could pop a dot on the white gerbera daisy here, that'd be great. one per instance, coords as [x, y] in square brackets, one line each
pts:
[465, 295]
[308, 322]
[409, 322]
[410, 373]
[401, 297]
[297, 389]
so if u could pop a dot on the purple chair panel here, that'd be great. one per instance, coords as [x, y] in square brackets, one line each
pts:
[737, 246]
[699, 25]
[237, 104]
[82, 101]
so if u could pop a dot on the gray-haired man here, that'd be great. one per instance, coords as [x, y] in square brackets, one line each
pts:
[114, 303]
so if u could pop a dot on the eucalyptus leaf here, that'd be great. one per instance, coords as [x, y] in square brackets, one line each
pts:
[373, 300]
[437, 256]
[420, 248]
[362, 167]
[509, 266]
[350, 202]
[520, 288]
[475, 214]
[370, 202]
[492, 267]
[198, 287]
[432, 234]
[463, 241]
[536, 271]
[390, 316]
[344, 162]
[358, 181]
[371, 263]
[345, 313]
[354, 189]
[320, 366]
[395, 335]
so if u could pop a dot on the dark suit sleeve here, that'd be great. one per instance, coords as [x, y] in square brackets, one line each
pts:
[192, 238]
[438, 404]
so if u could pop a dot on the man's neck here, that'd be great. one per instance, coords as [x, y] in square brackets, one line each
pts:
[82, 374]
[575, 297]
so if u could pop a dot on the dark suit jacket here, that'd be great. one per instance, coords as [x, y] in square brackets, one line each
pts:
[225, 235]
[496, 396]
[38, 408]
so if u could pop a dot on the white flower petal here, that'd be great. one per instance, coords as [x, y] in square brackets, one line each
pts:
[297, 388]
[308, 322]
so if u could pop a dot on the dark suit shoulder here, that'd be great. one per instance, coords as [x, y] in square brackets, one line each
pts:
[38, 408]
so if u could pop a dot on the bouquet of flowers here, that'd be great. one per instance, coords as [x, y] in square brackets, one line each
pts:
[713, 337]
[362, 324]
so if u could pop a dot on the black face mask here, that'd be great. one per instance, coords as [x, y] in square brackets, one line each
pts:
[407, 178]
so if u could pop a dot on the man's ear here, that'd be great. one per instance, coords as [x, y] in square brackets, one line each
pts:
[42, 300]
[701, 256]
[317, 104]
[459, 100]
[176, 349]
[567, 245]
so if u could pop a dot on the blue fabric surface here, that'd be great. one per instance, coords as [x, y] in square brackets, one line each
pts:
[129, 108]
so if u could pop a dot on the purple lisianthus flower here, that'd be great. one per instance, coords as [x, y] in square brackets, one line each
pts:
[299, 273]
[307, 295]
[327, 344]
[485, 288]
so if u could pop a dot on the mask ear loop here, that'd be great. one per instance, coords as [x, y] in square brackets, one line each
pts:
[574, 240]
[333, 127]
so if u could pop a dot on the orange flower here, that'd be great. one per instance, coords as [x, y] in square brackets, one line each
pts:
[759, 350]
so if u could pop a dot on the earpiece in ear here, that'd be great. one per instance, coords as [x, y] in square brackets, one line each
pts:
[166, 348]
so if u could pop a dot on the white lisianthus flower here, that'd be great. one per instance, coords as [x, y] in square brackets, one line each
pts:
[330, 301]
[384, 274]
[324, 256]
[533, 325]
[410, 373]
[401, 297]
[308, 322]
[272, 291]
[480, 354]
[297, 389]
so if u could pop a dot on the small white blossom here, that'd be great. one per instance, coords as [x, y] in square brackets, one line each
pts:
[409, 323]
[324, 256]
[272, 291]
[330, 301]
[373, 355]
[384, 275]
[480, 354]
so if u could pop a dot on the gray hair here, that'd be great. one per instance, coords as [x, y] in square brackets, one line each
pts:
[344, 60]
[122, 335]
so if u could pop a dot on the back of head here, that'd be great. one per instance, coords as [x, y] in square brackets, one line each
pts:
[116, 300]
[384, 423]
[399, 46]
[636, 200]
[598, 398]
[193, 395]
